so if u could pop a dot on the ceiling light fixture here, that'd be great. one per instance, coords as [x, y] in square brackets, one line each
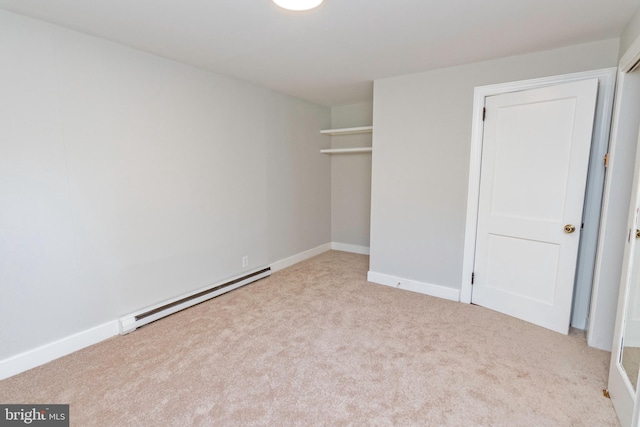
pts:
[298, 5]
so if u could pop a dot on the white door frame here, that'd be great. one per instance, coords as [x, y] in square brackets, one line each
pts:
[626, 401]
[622, 392]
[600, 144]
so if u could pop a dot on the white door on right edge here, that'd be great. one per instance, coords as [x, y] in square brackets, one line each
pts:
[535, 156]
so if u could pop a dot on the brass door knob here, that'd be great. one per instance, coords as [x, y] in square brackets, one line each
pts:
[637, 234]
[569, 228]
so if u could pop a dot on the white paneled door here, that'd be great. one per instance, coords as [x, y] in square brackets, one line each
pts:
[535, 155]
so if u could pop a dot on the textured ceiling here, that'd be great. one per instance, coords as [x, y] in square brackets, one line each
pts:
[332, 54]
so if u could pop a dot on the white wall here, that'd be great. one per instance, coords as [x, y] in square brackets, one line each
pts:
[127, 179]
[421, 158]
[351, 177]
[298, 176]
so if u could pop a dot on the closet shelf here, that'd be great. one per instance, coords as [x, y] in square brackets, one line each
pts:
[347, 150]
[347, 131]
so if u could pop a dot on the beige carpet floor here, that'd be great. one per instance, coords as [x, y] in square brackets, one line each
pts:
[316, 344]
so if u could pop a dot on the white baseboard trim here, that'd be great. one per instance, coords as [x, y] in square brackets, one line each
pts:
[302, 256]
[414, 286]
[67, 345]
[62, 347]
[166, 308]
[345, 247]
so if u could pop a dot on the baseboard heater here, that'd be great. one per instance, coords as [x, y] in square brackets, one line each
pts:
[133, 321]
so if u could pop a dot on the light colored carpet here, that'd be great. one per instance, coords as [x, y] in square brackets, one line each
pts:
[316, 344]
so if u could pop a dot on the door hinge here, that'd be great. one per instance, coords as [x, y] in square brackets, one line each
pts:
[606, 160]
[473, 276]
[484, 113]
